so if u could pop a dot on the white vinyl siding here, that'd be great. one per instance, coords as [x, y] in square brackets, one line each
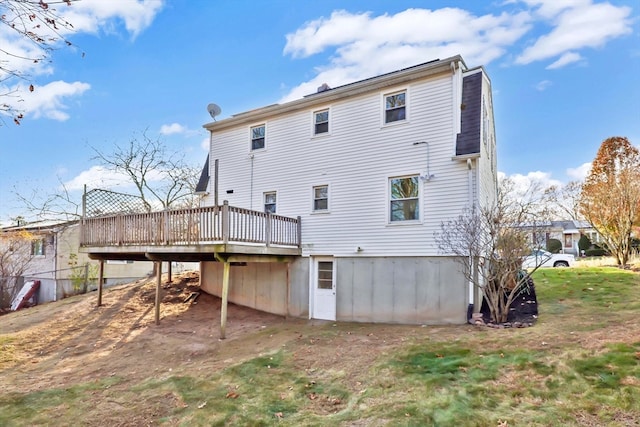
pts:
[487, 164]
[358, 157]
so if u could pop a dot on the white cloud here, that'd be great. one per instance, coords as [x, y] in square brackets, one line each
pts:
[173, 128]
[579, 173]
[577, 24]
[524, 182]
[365, 45]
[205, 144]
[100, 177]
[96, 176]
[46, 101]
[543, 85]
[87, 16]
[91, 16]
[565, 59]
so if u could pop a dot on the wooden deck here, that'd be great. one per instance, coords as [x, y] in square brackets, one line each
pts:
[190, 234]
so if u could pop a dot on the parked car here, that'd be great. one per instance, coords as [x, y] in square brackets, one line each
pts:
[547, 259]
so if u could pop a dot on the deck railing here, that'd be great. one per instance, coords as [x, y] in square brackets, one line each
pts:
[206, 225]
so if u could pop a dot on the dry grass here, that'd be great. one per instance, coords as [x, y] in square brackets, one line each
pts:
[578, 366]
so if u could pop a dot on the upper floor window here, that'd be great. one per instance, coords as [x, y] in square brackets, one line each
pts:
[270, 202]
[321, 198]
[321, 122]
[404, 198]
[257, 137]
[395, 108]
[37, 247]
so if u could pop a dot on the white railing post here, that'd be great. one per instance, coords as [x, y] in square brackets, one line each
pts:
[225, 221]
[120, 228]
[267, 229]
[167, 227]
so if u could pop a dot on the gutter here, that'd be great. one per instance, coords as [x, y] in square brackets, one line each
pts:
[363, 86]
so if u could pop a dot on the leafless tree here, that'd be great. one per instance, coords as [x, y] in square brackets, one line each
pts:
[565, 200]
[60, 205]
[491, 243]
[40, 29]
[162, 179]
[15, 257]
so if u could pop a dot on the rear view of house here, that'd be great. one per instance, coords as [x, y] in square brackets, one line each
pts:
[372, 169]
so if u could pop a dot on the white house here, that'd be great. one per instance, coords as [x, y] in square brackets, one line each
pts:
[372, 169]
[54, 259]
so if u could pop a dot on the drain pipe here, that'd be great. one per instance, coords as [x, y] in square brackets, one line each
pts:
[474, 293]
[251, 185]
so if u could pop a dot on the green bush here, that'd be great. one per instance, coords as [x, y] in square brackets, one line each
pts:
[584, 243]
[554, 246]
[596, 252]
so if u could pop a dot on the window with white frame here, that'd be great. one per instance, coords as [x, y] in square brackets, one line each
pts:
[321, 198]
[395, 108]
[270, 202]
[37, 247]
[257, 137]
[321, 122]
[404, 195]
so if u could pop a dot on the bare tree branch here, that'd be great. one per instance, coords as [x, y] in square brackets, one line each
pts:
[42, 26]
[491, 243]
[162, 180]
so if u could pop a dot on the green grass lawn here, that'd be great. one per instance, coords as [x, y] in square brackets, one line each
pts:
[578, 366]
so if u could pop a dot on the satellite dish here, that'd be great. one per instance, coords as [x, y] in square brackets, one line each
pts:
[214, 110]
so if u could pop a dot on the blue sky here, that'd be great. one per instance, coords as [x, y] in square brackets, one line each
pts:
[565, 76]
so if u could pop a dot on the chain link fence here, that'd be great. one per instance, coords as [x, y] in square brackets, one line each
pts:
[53, 285]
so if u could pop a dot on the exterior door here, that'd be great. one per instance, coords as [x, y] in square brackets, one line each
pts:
[324, 289]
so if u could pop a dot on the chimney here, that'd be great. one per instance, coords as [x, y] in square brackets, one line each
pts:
[323, 88]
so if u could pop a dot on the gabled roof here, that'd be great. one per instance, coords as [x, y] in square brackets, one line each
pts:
[468, 140]
[380, 82]
[38, 225]
[201, 187]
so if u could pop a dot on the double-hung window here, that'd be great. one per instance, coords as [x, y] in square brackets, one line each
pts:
[37, 247]
[404, 199]
[321, 122]
[395, 107]
[257, 137]
[321, 198]
[270, 202]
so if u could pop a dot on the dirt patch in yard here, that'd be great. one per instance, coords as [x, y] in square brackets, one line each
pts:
[118, 346]
[74, 341]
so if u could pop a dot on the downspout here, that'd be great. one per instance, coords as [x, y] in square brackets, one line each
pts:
[251, 185]
[472, 266]
[215, 182]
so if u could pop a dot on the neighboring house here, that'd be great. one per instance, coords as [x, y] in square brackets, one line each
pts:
[568, 232]
[372, 168]
[57, 263]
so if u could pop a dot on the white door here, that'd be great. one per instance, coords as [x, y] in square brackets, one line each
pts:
[324, 289]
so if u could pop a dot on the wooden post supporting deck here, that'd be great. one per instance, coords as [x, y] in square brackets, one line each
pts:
[225, 295]
[158, 289]
[100, 280]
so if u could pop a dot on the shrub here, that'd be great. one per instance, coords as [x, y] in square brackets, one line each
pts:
[554, 246]
[584, 243]
[596, 252]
